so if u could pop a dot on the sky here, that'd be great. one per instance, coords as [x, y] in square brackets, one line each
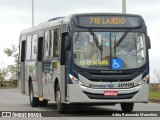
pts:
[16, 15]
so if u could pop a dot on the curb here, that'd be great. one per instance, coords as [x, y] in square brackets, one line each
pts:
[154, 100]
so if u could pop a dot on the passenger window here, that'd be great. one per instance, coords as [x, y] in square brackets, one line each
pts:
[23, 51]
[56, 43]
[28, 53]
[34, 46]
[46, 47]
[51, 43]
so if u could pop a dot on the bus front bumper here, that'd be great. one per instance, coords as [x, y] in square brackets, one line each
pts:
[82, 94]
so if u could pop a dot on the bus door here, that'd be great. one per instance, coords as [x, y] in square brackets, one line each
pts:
[39, 66]
[64, 67]
[21, 66]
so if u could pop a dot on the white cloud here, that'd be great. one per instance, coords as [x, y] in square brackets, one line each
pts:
[46, 9]
[9, 35]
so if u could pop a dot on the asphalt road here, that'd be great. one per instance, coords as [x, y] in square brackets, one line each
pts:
[13, 100]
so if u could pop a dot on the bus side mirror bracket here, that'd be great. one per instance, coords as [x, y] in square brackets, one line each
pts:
[148, 42]
[67, 43]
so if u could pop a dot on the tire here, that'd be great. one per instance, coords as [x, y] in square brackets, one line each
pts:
[127, 107]
[61, 107]
[43, 103]
[34, 102]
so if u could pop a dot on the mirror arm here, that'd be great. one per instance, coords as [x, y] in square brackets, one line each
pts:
[148, 42]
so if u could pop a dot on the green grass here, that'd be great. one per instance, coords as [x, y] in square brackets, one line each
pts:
[154, 94]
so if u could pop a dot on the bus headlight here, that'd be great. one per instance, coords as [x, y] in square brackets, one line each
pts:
[144, 80]
[75, 80]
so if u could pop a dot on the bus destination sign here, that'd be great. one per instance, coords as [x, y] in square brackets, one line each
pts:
[105, 20]
[109, 21]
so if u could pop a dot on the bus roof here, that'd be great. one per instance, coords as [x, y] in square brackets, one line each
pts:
[65, 20]
[114, 14]
[45, 25]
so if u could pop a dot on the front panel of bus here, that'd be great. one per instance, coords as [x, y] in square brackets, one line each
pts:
[108, 61]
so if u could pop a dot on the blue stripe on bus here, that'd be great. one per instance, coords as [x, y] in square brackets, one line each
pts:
[70, 69]
[145, 73]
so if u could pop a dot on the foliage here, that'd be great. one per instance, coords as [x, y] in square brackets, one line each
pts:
[12, 52]
[156, 77]
[154, 91]
[3, 74]
[13, 68]
[154, 94]
[155, 87]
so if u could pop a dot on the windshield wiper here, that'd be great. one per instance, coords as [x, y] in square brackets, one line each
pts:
[99, 46]
[121, 39]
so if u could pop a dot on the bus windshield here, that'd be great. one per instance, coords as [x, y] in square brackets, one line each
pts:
[100, 50]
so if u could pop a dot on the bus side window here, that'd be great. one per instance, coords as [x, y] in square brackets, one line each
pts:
[51, 44]
[22, 52]
[46, 44]
[40, 49]
[28, 52]
[34, 47]
[56, 43]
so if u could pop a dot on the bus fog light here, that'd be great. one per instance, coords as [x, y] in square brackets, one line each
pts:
[76, 82]
[144, 80]
[80, 83]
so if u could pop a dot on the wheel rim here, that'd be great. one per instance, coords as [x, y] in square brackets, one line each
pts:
[58, 99]
[31, 95]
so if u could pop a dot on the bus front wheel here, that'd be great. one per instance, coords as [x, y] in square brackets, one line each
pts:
[127, 107]
[61, 107]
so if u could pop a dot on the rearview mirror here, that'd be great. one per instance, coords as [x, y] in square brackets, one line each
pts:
[67, 43]
[148, 42]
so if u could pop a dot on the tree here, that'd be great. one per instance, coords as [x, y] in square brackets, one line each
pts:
[156, 78]
[13, 68]
[156, 73]
[12, 52]
[3, 73]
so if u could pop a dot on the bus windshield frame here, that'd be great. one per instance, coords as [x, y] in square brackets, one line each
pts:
[110, 47]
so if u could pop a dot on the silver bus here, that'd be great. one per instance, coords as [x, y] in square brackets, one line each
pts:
[94, 59]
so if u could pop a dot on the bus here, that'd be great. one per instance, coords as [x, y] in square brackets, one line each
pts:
[90, 59]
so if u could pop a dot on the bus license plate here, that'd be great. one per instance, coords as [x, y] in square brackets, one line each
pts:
[110, 93]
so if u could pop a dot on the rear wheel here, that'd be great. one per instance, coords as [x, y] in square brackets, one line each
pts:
[33, 100]
[127, 107]
[61, 107]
